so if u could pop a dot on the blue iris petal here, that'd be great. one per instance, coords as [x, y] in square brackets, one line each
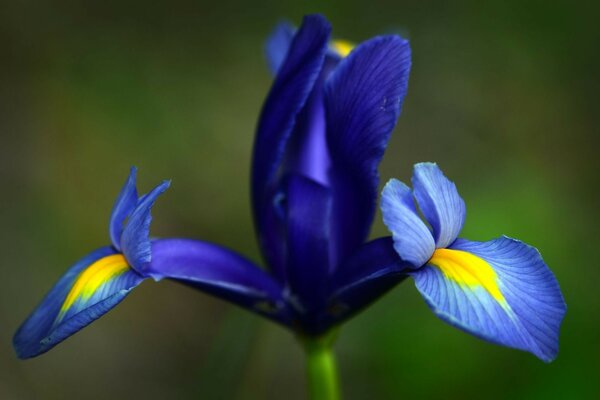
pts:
[288, 95]
[294, 82]
[278, 44]
[124, 205]
[218, 271]
[364, 277]
[363, 98]
[135, 241]
[308, 216]
[52, 322]
[529, 316]
[440, 203]
[412, 239]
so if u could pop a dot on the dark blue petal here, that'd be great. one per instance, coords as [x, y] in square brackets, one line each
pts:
[308, 216]
[124, 205]
[278, 44]
[367, 275]
[412, 239]
[288, 95]
[363, 98]
[88, 290]
[440, 203]
[501, 291]
[290, 91]
[220, 272]
[135, 240]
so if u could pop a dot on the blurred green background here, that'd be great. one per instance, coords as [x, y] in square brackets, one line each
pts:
[503, 95]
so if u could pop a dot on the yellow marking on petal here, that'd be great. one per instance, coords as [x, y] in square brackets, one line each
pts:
[92, 278]
[342, 47]
[469, 270]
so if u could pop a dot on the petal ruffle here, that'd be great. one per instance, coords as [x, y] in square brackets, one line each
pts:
[501, 291]
[278, 44]
[88, 290]
[440, 203]
[220, 272]
[367, 275]
[308, 216]
[135, 241]
[412, 239]
[363, 98]
[124, 205]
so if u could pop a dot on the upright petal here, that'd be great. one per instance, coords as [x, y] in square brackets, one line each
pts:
[278, 44]
[88, 290]
[440, 203]
[290, 90]
[308, 216]
[501, 291]
[294, 82]
[124, 205]
[220, 272]
[364, 277]
[135, 240]
[363, 98]
[412, 239]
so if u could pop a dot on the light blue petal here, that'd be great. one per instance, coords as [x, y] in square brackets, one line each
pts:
[124, 205]
[278, 44]
[440, 203]
[528, 316]
[135, 240]
[71, 304]
[412, 239]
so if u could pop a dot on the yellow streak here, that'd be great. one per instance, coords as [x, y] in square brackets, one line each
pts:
[469, 270]
[342, 47]
[91, 278]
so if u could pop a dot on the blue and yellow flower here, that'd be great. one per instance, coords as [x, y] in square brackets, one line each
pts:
[321, 135]
[500, 290]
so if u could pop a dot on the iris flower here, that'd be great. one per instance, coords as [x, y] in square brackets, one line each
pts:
[321, 135]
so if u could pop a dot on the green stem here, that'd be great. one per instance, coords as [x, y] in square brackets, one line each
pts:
[321, 368]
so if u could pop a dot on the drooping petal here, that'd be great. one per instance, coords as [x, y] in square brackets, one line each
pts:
[278, 44]
[367, 275]
[135, 241]
[500, 290]
[88, 290]
[440, 203]
[124, 205]
[291, 89]
[220, 272]
[412, 239]
[288, 95]
[308, 216]
[363, 98]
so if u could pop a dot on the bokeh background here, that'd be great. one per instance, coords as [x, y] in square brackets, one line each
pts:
[503, 95]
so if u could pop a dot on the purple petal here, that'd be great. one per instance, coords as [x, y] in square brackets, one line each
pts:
[308, 215]
[220, 272]
[363, 98]
[291, 89]
[367, 275]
